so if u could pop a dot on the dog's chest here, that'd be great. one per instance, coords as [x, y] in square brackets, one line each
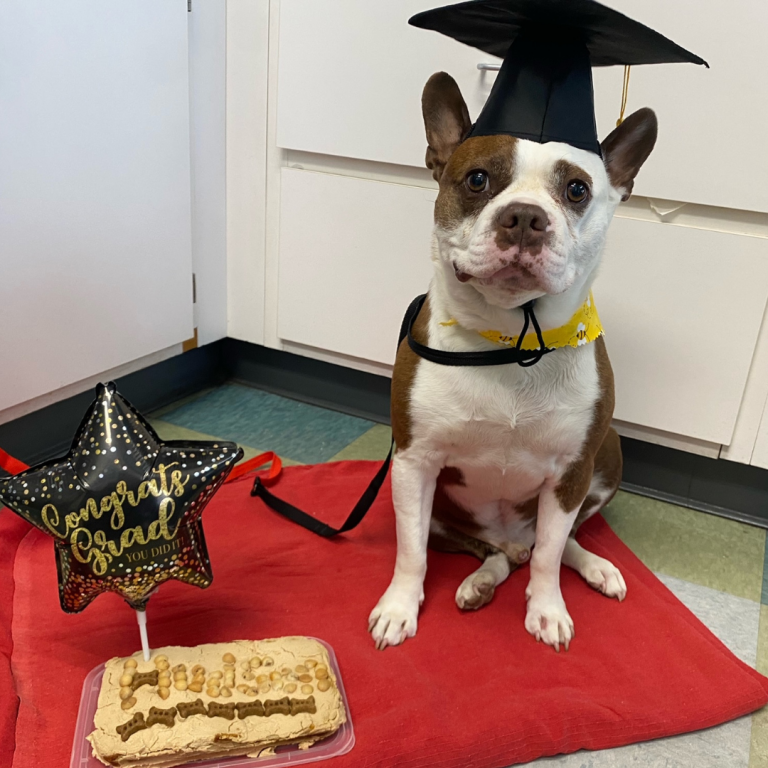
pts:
[509, 430]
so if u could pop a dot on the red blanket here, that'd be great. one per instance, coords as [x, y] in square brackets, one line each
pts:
[469, 690]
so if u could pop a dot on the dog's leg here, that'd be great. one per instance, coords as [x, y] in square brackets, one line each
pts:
[413, 487]
[547, 618]
[598, 572]
[478, 588]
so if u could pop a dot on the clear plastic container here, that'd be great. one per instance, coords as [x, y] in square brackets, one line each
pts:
[339, 744]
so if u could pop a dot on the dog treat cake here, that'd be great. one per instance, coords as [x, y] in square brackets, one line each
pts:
[213, 701]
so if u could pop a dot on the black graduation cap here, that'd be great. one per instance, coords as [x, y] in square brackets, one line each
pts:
[543, 91]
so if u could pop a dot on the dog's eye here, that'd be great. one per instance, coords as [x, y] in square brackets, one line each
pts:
[577, 191]
[477, 181]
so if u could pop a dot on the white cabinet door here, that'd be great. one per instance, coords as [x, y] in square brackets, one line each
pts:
[353, 254]
[350, 77]
[95, 256]
[681, 306]
[351, 74]
[712, 122]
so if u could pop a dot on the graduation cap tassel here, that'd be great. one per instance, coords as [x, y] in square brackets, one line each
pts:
[624, 95]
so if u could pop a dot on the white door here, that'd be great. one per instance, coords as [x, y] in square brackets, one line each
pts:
[95, 253]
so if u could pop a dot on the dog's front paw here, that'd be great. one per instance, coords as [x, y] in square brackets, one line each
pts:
[605, 577]
[547, 620]
[394, 619]
[476, 591]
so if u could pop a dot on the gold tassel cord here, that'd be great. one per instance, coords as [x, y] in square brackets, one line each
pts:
[624, 95]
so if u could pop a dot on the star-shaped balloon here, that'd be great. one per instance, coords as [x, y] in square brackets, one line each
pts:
[123, 507]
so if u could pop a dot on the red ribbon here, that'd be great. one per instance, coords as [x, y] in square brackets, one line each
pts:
[14, 466]
[255, 463]
[11, 465]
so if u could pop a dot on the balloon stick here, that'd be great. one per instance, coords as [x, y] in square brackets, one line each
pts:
[141, 617]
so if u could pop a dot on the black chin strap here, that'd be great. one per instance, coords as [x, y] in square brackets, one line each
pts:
[523, 357]
[506, 356]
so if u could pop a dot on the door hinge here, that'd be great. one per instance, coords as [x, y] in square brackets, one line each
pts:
[189, 6]
[194, 288]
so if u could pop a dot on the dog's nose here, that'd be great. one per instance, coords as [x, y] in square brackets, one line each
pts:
[519, 217]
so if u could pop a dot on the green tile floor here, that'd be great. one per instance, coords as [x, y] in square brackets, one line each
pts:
[715, 566]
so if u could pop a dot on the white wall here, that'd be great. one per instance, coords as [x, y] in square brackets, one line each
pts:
[95, 220]
[207, 79]
[206, 145]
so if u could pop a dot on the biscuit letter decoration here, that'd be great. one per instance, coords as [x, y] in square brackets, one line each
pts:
[165, 717]
[134, 725]
[249, 709]
[144, 678]
[221, 710]
[278, 707]
[303, 705]
[193, 708]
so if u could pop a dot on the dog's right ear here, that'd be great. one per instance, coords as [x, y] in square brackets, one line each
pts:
[446, 120]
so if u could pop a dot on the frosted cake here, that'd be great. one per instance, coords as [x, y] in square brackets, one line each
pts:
[215, 701]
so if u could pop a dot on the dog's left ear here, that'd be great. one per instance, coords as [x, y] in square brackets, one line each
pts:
[627, 147]
[446, 120]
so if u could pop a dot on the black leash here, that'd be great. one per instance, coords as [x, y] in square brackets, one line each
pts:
[522, 357]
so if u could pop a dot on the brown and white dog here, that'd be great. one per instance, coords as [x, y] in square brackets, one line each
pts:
[492, 460]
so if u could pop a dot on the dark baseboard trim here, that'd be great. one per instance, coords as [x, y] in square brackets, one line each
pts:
[715, 486]
[311, 381]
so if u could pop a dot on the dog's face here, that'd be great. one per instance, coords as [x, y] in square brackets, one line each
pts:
[515, 219]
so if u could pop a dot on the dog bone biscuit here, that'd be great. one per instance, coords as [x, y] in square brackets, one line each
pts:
[134, 725]
[221, 710]
[277, 706]
[188, 708]
[249, 709]
[303, 705]
[144, 678]
[162, 716]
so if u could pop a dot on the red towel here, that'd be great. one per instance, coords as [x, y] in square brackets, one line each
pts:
[469, 690]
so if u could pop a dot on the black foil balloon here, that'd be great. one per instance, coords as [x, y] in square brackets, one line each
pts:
[123, 507]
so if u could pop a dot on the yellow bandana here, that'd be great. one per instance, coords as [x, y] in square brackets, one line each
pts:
[583, 328]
